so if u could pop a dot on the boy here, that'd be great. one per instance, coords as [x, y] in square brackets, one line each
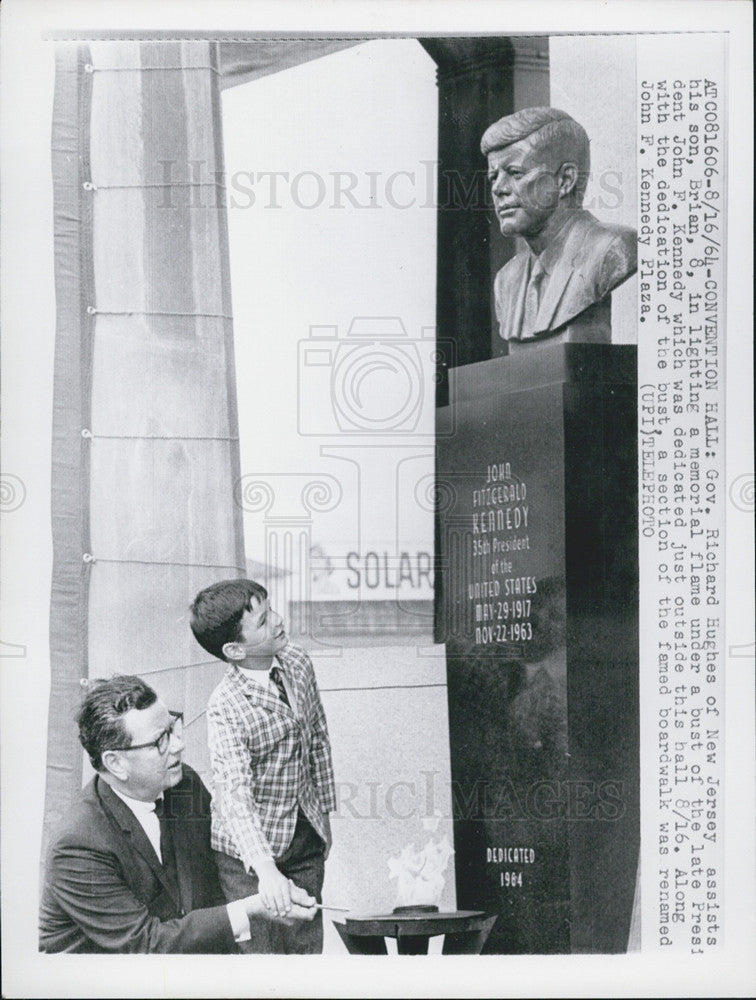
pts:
[271, 761]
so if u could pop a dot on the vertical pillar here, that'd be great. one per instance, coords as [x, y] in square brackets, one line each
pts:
[70, 452]
[145, 425]
[538, 542]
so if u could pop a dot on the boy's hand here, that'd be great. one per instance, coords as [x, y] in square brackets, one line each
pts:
[274, 889]
[302, 904]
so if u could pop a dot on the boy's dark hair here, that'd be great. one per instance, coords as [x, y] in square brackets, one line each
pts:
[217, 612]
[100, 716]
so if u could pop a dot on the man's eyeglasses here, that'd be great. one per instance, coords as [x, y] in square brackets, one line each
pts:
[161, 744]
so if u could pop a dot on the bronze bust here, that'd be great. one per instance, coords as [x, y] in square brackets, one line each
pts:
[560, 283]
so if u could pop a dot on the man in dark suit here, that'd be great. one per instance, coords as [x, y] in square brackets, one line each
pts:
[559, 284]
[130, 869]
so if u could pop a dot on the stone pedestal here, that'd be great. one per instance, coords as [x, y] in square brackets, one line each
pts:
[537, 603]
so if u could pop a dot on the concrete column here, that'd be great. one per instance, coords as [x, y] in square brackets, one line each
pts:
[143, 502]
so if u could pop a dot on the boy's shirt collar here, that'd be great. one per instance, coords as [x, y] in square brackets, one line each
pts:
[257, 678]
[260, 677]
[259, 682]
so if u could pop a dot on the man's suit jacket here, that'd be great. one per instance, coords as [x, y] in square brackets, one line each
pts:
[588, 260]
[106, 891]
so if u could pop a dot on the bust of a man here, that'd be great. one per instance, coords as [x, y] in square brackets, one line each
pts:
[559, 283]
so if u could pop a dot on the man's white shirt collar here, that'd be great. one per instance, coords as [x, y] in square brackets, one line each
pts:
[148, 819]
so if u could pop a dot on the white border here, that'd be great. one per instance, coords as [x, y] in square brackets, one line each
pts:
[729, 972]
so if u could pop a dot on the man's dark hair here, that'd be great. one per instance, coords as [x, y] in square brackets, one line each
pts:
[217, 612]
[100, 716]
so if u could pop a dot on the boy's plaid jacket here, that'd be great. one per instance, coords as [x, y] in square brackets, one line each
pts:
[268, 760]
